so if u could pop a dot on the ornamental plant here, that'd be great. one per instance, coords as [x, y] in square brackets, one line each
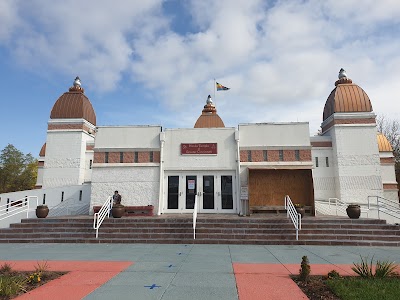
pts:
[305, 269]
[383, 269]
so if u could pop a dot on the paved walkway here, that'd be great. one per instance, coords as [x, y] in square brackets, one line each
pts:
[148, 271]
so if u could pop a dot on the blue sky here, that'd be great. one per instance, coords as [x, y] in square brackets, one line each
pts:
[153, 61]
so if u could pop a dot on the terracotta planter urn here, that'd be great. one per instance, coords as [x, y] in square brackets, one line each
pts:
[42, 211]
[118, 210]
[353, 211]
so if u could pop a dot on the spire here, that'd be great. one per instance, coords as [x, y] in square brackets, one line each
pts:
[209, 108]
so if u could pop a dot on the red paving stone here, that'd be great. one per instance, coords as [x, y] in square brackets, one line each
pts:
[272, 281]
[83, 278]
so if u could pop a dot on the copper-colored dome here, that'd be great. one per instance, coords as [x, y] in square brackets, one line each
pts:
[346, 97]
[209, 117]
[42, 152]
[383, 143]
[74, 105]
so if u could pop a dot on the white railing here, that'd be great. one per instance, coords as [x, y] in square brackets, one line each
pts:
[17, 206]
[337, 207]
[293, 214]
[386, 206]
[195, 216]
[104, 212]
[69, 207]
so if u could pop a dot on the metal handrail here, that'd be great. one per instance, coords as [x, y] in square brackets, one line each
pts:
[104, 212]
[70, 206]
[386, 206]
[15, 207]
[293, 214]
[341, 206]
[195, 216]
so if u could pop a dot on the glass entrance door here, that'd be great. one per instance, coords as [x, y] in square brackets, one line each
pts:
[215, 192]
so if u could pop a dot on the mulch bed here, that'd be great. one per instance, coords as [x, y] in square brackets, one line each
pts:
[48, 276]
[315, 288]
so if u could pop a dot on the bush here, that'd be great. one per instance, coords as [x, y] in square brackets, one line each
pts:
[383, 269]
[305, 269]
[333, 274]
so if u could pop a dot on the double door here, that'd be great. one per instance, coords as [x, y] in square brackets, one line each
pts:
[215, 192]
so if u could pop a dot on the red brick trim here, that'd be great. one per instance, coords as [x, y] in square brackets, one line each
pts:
[40, 163]
[321, 144]
[348, 121]
[99, 157]
[305, 155]
[128, 157]
[273, 155]
[89, 147]
[387, 160]
[390, 186]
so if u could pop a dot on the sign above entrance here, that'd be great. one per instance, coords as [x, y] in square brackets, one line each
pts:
[199, 148]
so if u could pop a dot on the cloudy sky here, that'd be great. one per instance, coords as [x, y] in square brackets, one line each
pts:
[154, 62]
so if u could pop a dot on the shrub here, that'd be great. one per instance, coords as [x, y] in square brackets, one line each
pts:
[305, 269]
[333, 274]
[6, 269]
[11, 285]
[382, 269]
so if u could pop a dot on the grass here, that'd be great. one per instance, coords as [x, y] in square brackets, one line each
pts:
[352, 288]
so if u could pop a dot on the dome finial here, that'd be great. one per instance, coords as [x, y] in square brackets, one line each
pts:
[209, 100]
[77, 81]
[342, 73]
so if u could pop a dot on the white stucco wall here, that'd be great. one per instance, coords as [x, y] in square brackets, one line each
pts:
[294, 134]
[226, 145]
[109, 138]
[52, 198]
[356, 162]
[138, 185]
[323, 175]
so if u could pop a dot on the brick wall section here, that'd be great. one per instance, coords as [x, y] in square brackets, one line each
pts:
[257, 155]
[387, 160]
[143, 157]
[129, 157]
[288, 155]
[156, 156]
[89, 147]
[243, 155]
[113, 157]
[40, 163]
[98, 157]
[390, 186]
[348, 121]
[321, 144]
[305, 155]
[273, 155]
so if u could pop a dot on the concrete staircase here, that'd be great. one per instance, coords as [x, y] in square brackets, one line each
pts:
[211, 229]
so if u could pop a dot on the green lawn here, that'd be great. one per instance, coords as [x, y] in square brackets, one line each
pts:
[352, 288]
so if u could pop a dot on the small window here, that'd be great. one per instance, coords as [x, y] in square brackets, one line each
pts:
[248, 155]
[62, 196]
[265, 155]
[327, 161]
[151, 156]
[136, 157]
[297, 154]
[44, 198]
[90, 164]
[80, 195]
[280, 155]
[121, 157]
[106, 157]
[316, 162]
[8, 201]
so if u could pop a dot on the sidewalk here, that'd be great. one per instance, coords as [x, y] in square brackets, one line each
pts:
[149, 271]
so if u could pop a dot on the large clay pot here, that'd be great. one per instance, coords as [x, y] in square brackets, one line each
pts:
[118, 210]
[353, 211]
[42, 211]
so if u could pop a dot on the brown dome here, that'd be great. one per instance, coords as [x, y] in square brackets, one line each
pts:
[209, 117]
[42, 152]
[346, 97]
[74, 105]
[383, 143]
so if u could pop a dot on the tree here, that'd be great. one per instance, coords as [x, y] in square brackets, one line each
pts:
[391, 129]
[18, 172]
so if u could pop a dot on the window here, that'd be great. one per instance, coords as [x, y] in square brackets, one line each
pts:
[327, 161]
[136, 157]
[80, 195]
[121, 157]
[265, 155]
[280, 155]
[62, 196]
[248, 155]
[106, 157]
[316, 162]
[297, 154]
[151, 156]
[44, 198]
[90, 164]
